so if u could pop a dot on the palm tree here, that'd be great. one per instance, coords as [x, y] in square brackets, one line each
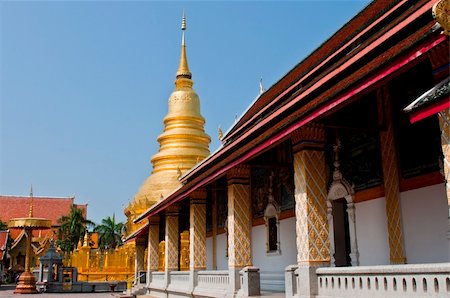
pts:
[109, 233]
[72, 229]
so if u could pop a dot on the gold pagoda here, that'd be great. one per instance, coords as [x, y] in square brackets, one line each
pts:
[183, 143]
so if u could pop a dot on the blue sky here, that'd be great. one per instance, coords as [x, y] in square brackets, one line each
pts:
[84, 84]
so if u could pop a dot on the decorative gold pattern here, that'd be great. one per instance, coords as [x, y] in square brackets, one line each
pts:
[162, 256]
[444, 122]
[313, 245]
[140, 255]
[171, 249]
[441, 12]
[182, 144]
[239, 226]
[153, 239]
[391, 188]
[197, 241]
[184, 251]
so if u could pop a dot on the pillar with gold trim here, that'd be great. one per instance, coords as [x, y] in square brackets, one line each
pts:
[152, 247]
[139, 260]
[239, 223]
[391, 181]
[310, 173]
[171, 240]
[197, 235]
[444, 123]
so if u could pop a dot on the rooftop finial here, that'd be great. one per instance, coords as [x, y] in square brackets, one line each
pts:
[30, 212]
[261, 88]
[183, 69]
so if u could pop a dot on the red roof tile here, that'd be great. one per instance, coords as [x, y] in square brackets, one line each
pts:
[43, 207]
[3, 240]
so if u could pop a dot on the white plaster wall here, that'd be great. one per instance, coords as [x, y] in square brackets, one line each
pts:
[425, 224]
[288, 254]
[222, 260]
[209, 253]
[371, 232]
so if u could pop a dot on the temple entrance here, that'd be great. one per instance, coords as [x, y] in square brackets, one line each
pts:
[341, 233]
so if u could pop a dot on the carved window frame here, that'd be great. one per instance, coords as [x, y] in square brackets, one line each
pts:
[272, 211]
[340, 188]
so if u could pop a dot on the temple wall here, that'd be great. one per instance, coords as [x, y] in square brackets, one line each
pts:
[209, 253]
[425, 224]
[272, 266]
[288, 248]
[371, 232]
[222, 260]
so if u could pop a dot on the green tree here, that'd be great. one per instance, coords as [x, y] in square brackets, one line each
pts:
[72, 229]
[3, 225]
[109, 232]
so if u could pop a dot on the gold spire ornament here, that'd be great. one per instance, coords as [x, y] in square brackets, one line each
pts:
[182, 144]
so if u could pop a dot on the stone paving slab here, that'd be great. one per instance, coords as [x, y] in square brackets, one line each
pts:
[8, 292]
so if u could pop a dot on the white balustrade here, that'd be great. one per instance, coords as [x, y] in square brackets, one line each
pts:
[179, 278]
[218, 279]
[421, 280]
[158, 277]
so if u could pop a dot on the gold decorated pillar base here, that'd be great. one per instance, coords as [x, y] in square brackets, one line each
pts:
[239, 223]
[444, 123]
[310, 172]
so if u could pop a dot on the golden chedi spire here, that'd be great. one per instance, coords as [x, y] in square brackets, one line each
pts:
[183, 142]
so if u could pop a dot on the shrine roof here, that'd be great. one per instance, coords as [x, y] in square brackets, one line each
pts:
[43, 207]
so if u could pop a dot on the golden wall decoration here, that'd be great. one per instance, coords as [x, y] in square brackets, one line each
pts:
[184, 251]
[162, 256]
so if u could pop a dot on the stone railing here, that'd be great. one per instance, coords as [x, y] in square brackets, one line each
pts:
[212, 283]
[422, 280]
[179, 282]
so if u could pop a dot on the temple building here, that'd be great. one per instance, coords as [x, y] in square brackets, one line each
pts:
[51, 208]
[333, 183]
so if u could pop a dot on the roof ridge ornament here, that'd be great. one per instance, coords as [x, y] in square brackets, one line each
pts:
[440, 12]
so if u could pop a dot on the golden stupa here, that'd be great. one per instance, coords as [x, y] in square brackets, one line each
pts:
[183, 143]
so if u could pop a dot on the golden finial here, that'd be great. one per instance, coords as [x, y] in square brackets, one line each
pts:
[86, 239]
[30, 212]
[183, 69]
[183, 22]
[219, 130]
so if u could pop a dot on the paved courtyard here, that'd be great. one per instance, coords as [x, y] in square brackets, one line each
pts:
[7, 292]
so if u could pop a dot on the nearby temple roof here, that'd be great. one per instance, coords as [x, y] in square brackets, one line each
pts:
[373, 45]
[51, 208]
[431, 102]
